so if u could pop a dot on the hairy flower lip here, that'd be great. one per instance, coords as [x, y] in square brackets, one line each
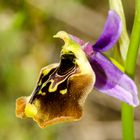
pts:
[60, 94]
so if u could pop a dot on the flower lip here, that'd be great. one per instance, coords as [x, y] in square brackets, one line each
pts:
[61, 90]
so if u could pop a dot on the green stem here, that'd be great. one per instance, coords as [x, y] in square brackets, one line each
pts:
[130, 64]
[124, 38]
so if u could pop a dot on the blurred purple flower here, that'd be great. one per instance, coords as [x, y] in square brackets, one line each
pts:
[109, 79]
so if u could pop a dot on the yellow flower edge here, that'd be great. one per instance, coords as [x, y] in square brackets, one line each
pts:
[30, 110]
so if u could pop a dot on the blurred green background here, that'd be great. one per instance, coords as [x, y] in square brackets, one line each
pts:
[27, 45]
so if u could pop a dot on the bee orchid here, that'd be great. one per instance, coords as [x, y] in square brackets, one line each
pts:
[62, 87]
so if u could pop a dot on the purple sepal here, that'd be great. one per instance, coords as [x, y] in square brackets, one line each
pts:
[111, 81]
[110, 34]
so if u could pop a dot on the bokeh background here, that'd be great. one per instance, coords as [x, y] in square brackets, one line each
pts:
[27, 45]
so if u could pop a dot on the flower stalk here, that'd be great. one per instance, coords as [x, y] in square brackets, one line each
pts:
[129, 61]
[130, 65]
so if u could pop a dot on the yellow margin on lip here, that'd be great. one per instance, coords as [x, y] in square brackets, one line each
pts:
[64, 91]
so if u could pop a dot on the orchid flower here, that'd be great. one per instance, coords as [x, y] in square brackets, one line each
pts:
[62, 87]
[59, 94]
